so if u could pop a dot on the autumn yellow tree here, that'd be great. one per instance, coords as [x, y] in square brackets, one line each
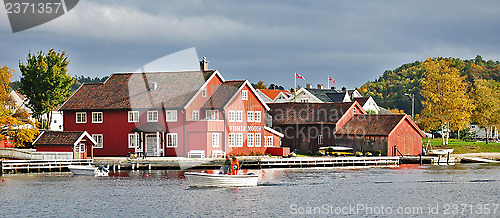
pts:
[446, 102]
[397, 111]
[14, 122]
[486, 97]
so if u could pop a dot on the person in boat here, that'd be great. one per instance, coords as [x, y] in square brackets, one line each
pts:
[235, 166]
[226, 166]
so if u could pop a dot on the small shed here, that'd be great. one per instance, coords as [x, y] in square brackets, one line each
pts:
[392, 134]
[80, 143]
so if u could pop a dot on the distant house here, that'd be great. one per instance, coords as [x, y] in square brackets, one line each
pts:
[171, 114]
[308, 126]
[483, 133]
[80, 143]
[393, 134]
[273, 95]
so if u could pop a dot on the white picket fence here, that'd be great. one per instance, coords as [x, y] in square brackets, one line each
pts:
[32, 154]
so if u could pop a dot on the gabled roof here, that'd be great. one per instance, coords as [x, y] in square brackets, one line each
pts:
[322, 94]
[138, 90]
[361, 100]
[223, 94]
[273, 93]
[337, 97]
[62, 138]
[151, 128]
[308, 113]
[375, 125]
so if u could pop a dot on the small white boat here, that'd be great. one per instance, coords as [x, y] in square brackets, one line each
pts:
[441, 151]
[88, 170]
[220, 180]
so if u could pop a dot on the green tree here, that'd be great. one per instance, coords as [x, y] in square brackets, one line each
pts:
[486, 97]
[260, 85]
[446, 102]
[45, 82]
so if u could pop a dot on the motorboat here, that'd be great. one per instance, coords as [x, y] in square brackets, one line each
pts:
[88, 170]
[220, 180]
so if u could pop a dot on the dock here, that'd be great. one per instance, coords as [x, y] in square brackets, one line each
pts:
[31, 166]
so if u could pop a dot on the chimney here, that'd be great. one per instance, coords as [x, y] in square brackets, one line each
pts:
[309, 85]
[333, 88]
[344, 89]
[204, 64]
[320, 86]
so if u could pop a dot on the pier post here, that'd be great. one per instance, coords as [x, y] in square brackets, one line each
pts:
[114, 166]
[137, 165]
[448, 158]
[420, 155]
[133, 167]
[149, 166]
[118, 166]
[1, 167]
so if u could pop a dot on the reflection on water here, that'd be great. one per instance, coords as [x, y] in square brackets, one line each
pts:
[281, 192]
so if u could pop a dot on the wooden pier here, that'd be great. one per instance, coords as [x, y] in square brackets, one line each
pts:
[27, 166]
[303, 162]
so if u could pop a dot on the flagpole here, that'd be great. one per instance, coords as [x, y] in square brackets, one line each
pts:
[328, 79]
[295, 87]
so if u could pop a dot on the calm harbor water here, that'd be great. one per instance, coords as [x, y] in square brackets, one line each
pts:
[469, 190]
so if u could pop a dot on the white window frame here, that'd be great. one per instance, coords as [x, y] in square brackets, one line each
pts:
[258, 116]
[215, 140]
[250, 116]
[239, 116]
[204, 92]
[269, 141]
[258, 139]
[170, 116]
[133, 116]
[82, 116]
[82, 148]
[216, 114]
[100, 142]
[231, 116]
[174, 138]
[95, 117]
[250, 140]
[320, 139]
[239, 139]
[231, 139]
[150, 116]
[195, 115]
[133, 140]
[244, 95]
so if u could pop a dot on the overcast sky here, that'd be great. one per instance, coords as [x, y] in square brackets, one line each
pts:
[351, 41]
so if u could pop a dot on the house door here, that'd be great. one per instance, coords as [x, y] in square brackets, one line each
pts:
[153, 145]
[76, 151]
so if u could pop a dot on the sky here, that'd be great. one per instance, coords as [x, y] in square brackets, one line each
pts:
[351, 41]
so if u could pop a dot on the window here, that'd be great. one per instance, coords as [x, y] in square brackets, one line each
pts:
[171, 116]
[211, 115]
[204, 92]
[98, 139]
[258, 139]
[354, 110]
[258, 116]
[250, 116]
[215, 139]
[250, 140]
[171, 140]
[82, 147]
[152, 116]
[81, 117]
[196, 115]
[244, 95]
[133, 116]
[269, 141]
[239, 116]
[231, 139]
[96, 117]
[133, 140]
[230, 116]
[239, 139]
[320, 139]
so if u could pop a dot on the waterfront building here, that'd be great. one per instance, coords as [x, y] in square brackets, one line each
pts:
[193, 113]
[80, 143]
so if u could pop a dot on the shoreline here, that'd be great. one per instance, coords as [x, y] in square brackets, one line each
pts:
[485, 155]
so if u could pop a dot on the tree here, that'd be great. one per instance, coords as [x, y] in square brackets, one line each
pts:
[397, 111]
[45, 82]
[446, 104]
[260, 85]
[14, 122]
[486, 97]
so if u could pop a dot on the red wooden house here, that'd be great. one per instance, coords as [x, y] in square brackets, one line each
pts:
[80, 143]
[170, 114]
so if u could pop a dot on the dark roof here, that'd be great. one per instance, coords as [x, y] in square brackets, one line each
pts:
[371, 124]
[150, 127]
[137, 90]
[336, 97]
[322, 94]
[307, 113]
[60, 138]
[223, 94]
[361, 100]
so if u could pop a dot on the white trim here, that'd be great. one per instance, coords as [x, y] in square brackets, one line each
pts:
[76, 117]
[88, 136]
[253, 91]
[149, 120]
[136, 139]
[204, 92]
[102, 118]
[250, 118]
[239, 143]
[176, 142]
[244, 95]
[233, 117]
[260, 140]
[240, 112]
[233, 144]
[216, 114]
[38, 137]
[216, 72]
[192, 115]
[320, 140]
[75, 93]
[274, 131]
[97, 142]
[269, 138]
[294, 97]
[255, 116]
[217, 144]
[138, 115]
[250, 143]
[170, 111]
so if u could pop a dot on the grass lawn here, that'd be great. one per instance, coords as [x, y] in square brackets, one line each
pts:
[462, 147]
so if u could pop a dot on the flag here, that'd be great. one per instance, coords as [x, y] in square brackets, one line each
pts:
[329, 78]
[298, 76]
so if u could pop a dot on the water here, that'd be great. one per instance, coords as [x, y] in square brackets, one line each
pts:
[411, 190]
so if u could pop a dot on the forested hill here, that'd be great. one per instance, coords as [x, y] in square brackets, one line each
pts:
[390, 88]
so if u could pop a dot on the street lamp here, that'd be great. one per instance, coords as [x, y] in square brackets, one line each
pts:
[412, 96]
